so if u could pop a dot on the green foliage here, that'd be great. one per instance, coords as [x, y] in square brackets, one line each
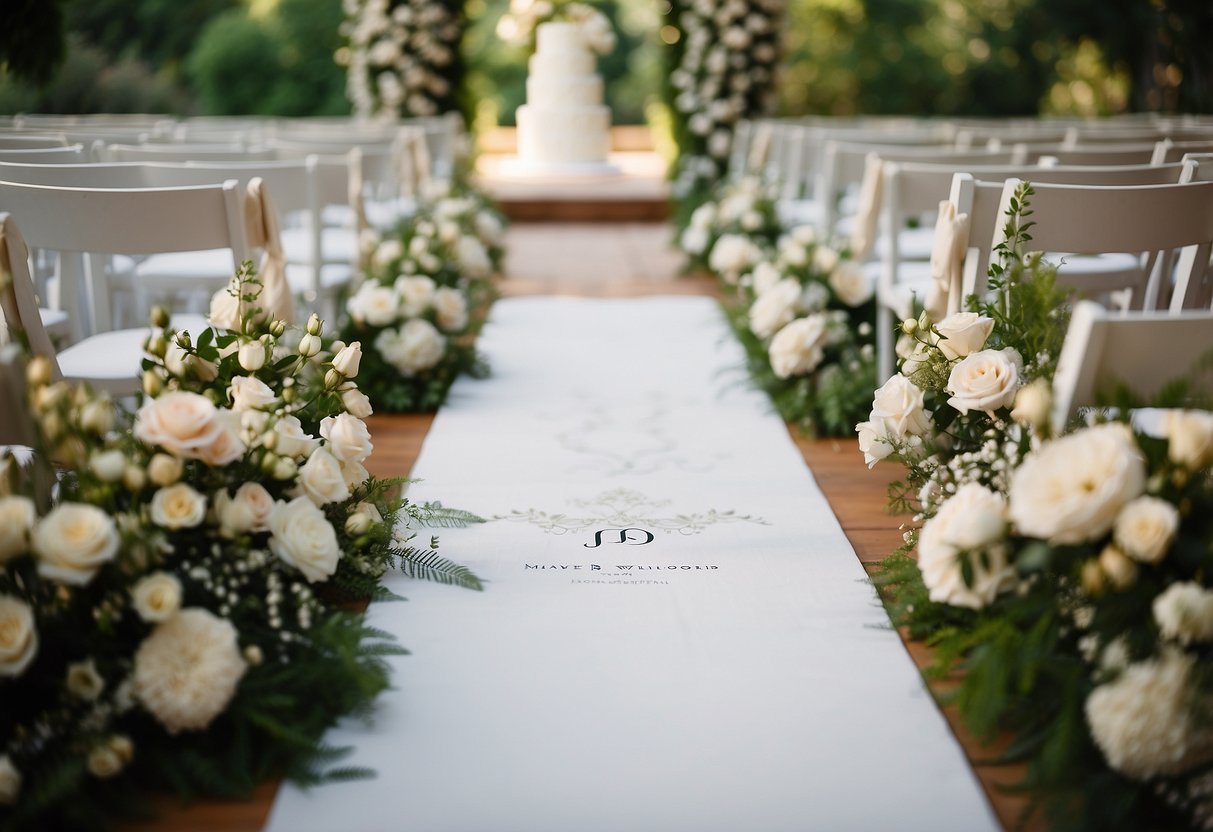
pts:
[26, 58]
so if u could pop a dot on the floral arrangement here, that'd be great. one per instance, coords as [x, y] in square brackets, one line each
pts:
[425, 298]
[729, 233]
[402, 56]
[1068, 576]
[722, 68]
[178, 616]
[517, 26]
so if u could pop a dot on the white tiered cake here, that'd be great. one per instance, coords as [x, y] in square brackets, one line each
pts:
[564, 127]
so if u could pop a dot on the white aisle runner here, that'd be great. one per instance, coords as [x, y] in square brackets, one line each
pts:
[675, 633]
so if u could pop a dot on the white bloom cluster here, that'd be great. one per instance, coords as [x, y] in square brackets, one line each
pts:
[400, 56]
[517, 26]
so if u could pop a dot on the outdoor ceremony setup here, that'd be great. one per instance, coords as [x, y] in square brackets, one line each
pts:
[547, 416]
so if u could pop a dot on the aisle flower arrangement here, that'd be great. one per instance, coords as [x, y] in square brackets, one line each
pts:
[425, 298]
[402, 57]
[729, 233]
[177, 617]
[517, 26]
[1068, 576]
[722, 68]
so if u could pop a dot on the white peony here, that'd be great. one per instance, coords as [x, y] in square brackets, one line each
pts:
[291, 440]
[1148, 722]
[302, 537]
[873, 443]
[73, 541]
[187, 670]
[451, 309]
[374, 304]
[356, 402]
[898, 407]
[416, 294]
[1184, 613]
[250, 393]
[775, 308]
[733, 255]
[18, 638]
[971, 526]
[1190, 437]
[1071, 489]
[347, 437]
[986, 380]
[17, 517]
[797, 349]
[156, 597]
[473, 257]
[180, 422]
[321, 479]
[1146, 528]
[178, 506]
[963, 333]
[850, 284]
[10, 781]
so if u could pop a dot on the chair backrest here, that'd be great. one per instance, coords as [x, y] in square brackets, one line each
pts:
[1150, 220]
[1142, 350]
[170, 152]
[71, 154]
[1099, 154]
[31, 141]
[1198, 167]
[1173, 151]
[86, 224]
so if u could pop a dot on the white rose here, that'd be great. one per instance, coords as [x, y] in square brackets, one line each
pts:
[419, 347]
[73, 541]
[354, 473]
[1118, 567]
[356, 402]
[473, 257]
[986, 380]
[348, 359]
[797, 348]
[321, 478]
[10, 781]
[374, 304]
[1071, 489]
[416, 294]
[825, 259]
[179, 362]
[963, 333]
[694, 240]
[228, 444]
[489, 227]
[302, 537]
[347, 436]
[83, 681]
[291, 440]
[1146, 528]
[970, 526]
[775, 308]
[251, 355]
[362, 519]
[387, 252]
[451, 308]
[17, 517]
[224, 311]
[1033, 403]
[704, 216]
[182, 423]
[850, 284]
[898, 407]
[1184, 612]
[103, 762]
[247, 510]
[250, 393]
[18, 638]
[156, 597]
[1190, 437]
[178, 507]
[732, 256]
[873, 443]
[764, 277]
[108, 465]
[164, 469]
[793, 252]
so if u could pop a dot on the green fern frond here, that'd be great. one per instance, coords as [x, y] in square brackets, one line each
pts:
[428, 565]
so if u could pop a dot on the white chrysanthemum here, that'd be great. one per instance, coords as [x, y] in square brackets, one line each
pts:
[1184, 612]
[187, 670]
[1072, 489]
[970, 526]
[1145, 721]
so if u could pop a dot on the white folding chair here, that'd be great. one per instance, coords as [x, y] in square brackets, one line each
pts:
[31, 141]
[1143, 351]
[72, 154]
[171, 152]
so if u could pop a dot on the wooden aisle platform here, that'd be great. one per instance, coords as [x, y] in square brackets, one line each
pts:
[857, 495]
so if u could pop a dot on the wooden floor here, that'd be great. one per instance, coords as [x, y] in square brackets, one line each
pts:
[615, 261]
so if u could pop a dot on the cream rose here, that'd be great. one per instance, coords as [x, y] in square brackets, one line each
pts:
[224, 311]
[182, 423]
[850, 284]
[228, 445]
[17, 517]
[374, 304]
[291, 440]
[1071, 489]
[970, 526]
[362, 519]
[873, 443]
[797, 348]
[387, 252]
[348, 359]
[10, 781]
[416, 294]
[1146, 528]
[156, 597]
[302, 537]
[164, 469]
[764, 277]
[83, 681]
[109, 466]
[986, 380]
[251, 355]
[825, 259]
[178, 506]
[321, 479]
[1033, 403]
[356, 402]
[451, 309]
[354, 474]
[73, 541]
[250, 393]
[473, 257]
[1189, 435]
[347, 437]
[694, 239]
[775, 308]
[247, 511]
[898, 407]
[963, 333]
[18, 638]
[732, 256]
